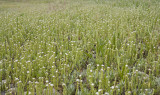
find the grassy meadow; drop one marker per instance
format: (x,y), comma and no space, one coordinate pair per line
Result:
(80,47)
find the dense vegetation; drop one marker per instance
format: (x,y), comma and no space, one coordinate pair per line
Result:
(80,47)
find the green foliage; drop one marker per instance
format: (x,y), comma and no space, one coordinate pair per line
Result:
(82,47)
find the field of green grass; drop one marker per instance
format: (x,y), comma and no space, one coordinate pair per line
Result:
(80,47)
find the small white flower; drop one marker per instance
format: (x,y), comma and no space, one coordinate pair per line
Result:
(66,54)
(99,90)
(129,92)
(16,79)
(36,82)
(51,85)
(106,93)
(92,84)
(29,93)
(102,70)
(77,80)
(4,81)
(112,87)
(63,84)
